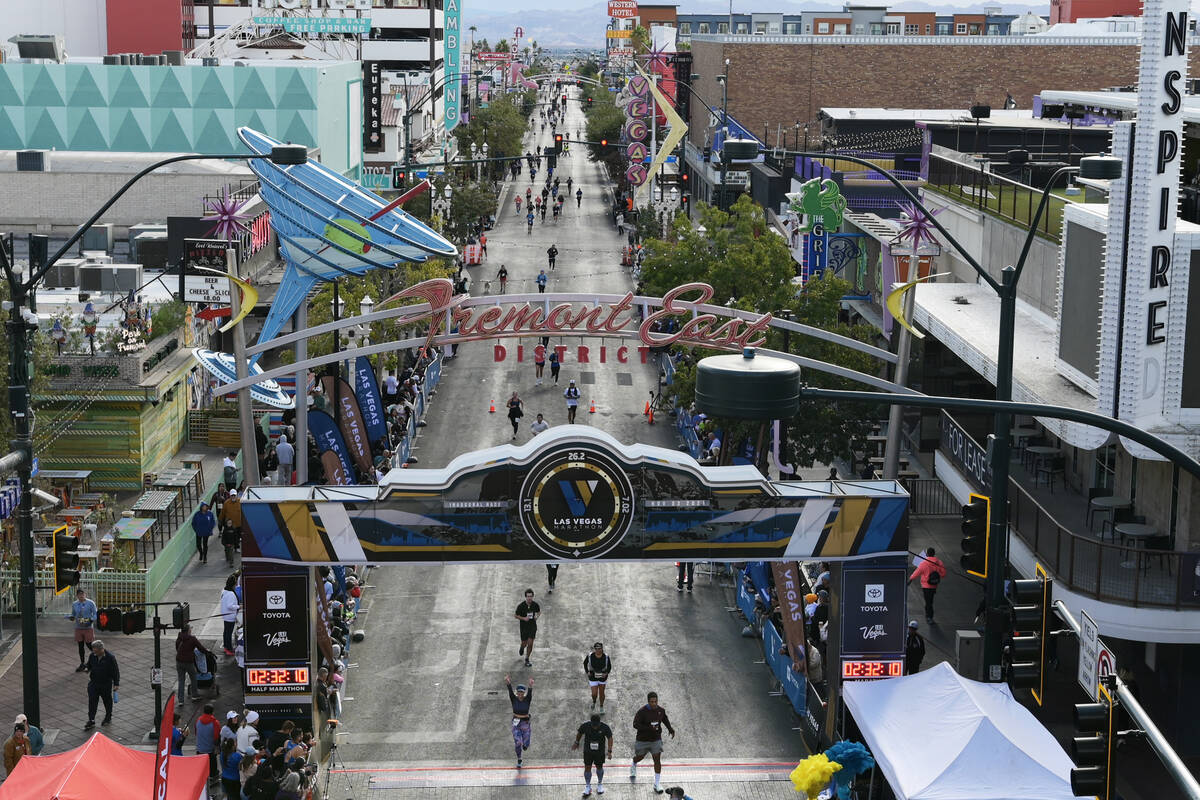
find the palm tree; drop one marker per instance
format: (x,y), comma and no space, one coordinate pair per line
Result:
(472,29)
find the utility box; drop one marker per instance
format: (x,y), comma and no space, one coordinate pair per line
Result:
(968,654)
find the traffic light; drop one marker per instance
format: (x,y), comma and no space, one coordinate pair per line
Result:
(109,619)
(181,615)
(399,177)
(683,179)
(604,142)
(685,203)
(1030,618)
(558,143)
(134,621)
(66,560)
(551,160)
(976,519)
(589,102)
(564,97)
(1093,755)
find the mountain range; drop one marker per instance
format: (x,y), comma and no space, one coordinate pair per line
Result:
(582,24)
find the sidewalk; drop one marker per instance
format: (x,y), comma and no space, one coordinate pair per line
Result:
(63,692)
(1140,773)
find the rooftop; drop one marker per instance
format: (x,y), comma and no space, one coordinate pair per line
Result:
(104,161)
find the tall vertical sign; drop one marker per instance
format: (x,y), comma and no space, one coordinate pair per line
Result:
(452,48)
(372,113)
(1154,312)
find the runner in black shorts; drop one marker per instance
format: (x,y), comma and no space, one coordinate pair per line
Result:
(527,613)
(597,665)
(595,735)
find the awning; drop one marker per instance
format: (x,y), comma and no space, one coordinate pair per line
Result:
(965,317)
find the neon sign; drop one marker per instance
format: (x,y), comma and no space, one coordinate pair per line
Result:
(635,100)
(542,319)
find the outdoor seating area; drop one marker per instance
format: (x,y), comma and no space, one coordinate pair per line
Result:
(1097,541)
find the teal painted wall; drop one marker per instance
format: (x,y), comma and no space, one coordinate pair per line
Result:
(339,124)
(175,109)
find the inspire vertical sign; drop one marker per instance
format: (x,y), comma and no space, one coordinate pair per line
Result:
(1154,187)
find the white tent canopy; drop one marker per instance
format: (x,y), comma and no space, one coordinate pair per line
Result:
(939,736)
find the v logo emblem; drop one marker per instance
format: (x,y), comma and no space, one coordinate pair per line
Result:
(578,495)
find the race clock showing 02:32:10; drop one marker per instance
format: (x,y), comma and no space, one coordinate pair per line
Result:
(861,670)
(287,679)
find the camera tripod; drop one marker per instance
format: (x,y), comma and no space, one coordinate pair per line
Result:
(335,762)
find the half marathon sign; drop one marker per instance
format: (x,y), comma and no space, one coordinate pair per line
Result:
(575,494)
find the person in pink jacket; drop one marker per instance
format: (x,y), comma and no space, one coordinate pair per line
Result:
(931,570)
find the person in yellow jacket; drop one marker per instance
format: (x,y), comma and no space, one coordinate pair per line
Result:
(16,746)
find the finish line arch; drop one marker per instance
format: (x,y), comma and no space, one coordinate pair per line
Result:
(574,493)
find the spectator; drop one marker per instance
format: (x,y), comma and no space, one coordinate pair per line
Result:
(820,616)
(208,732)
(16,747)
(204,522)
(230,470)
(36,740)
(286,454)
(914,650)
(930,572)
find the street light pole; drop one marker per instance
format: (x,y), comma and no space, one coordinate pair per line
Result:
(21,322)
(724,78)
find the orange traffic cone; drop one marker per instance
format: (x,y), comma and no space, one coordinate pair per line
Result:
(592,408)
(492,408)
(650,418)
(646,410)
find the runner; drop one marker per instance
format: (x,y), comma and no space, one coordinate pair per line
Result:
(551,254)
(529,222)
(503,276)
(541,281)
(517,203)
(515,412)
(594,734)
(539,358)
(570,181)
(521,730)
(578,197)
(572,395)
(555,366)
(649,722)
(597,665)
(539,425)
(528,613)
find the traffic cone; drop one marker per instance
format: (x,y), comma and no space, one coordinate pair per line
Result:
(492,408)
(650,418)
(646,410)
(592,408)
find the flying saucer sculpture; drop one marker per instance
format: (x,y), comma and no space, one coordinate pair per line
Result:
(328,227)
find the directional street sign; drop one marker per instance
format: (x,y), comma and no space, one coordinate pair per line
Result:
(1095,659)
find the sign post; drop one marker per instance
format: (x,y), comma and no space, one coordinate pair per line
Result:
(1095,659)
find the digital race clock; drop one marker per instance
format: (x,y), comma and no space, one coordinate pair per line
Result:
(861,670)
(277,679)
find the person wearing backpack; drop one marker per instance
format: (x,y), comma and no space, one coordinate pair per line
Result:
(931,570)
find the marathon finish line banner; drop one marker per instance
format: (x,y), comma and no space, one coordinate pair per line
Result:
(574,493)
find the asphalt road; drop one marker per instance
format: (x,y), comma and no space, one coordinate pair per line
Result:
(427,713)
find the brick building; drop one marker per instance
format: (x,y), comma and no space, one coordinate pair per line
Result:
(781,80)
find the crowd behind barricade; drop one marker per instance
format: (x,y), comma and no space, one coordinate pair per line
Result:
(802,665)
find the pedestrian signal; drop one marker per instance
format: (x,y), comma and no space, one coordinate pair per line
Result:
(134,621)
(181,615)
(109,619)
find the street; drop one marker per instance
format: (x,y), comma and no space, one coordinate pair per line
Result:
(427,713)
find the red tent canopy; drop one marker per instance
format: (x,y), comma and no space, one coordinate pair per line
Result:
(102,768)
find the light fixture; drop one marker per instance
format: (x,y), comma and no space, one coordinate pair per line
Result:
(674,194)
(288,154)
(447,192)
(1100,167)
(365,305)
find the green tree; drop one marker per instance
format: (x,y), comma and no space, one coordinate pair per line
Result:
(750,268)
(604,123)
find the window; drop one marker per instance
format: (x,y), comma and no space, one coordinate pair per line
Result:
(760,27)
(858,30)
(790,28)
(742,28)
(975,29)
(703,27)
(993,29)
(960,28)
(891,28)
(822,27)
(685,28)
(877,29)
(928,29)
(808,28)
(943,29)
(841,29)
(912,30)
(722,27)
(773,27)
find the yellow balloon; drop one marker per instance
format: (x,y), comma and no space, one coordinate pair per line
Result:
(812,775)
